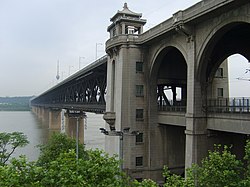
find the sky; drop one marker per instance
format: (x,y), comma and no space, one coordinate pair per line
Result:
(36,34)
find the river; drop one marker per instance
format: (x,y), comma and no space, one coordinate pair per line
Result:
(38,133)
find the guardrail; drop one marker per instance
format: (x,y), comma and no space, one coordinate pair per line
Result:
(177,106)
(213,105)
(234,105)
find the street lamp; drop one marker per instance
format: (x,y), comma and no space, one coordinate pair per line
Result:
(80,61)
(124,132)
(70,68)
(96,49)
(77,114)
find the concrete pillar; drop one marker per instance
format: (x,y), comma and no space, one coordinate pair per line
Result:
(71,127)
(34,109)
(45,115)
(55,119)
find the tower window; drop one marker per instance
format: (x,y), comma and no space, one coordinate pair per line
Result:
(139,161)
(139,138)
(219,73)
(139,66)
(139,91)
(139,114)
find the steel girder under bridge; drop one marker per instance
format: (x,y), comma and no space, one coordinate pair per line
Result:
(84,90)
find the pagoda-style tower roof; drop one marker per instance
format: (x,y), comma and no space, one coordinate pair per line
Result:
(126,12)
(125,19)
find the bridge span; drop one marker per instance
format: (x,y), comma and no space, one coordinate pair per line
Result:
(168,84)
(84,90)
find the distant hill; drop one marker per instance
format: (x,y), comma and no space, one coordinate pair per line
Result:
(15,103)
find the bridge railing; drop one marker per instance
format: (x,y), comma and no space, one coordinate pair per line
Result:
(224,105)
(213,105)
(172,106)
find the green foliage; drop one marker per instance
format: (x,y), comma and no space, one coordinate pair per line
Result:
(101,170)
(58,166)
(63,171)
(93,168)
(20,173)
(144,183)
(173,180)
(58,143)
(98,170)
(9,142)
(246,181)
(220,168)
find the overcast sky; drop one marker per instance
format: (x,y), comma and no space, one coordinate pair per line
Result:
(35,34)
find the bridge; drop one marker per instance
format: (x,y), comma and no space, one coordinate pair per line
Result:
(168,84)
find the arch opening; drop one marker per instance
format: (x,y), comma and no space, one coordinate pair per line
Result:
(169,94)
(171,80)
(231,43)
(224,62)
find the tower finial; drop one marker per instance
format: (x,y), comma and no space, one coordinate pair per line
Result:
(125,6)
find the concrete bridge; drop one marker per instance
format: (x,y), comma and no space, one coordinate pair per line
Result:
(168,84)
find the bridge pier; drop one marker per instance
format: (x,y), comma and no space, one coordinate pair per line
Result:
(42,113)
(55,120)
(61,121)
(74,126)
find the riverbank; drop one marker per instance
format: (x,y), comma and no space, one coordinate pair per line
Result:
(15,103)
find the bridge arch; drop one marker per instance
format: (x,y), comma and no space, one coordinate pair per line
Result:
(169,72)
(168,84)
(225,39)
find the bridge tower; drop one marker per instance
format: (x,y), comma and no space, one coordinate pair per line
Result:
(125,90)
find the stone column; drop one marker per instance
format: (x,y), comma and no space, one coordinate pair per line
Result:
(196,127)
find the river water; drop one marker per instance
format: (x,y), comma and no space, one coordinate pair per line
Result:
(38,133)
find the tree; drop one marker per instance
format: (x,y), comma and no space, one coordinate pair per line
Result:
(98,170)
(20,173)
(246,181)
(173,180)
(144,183)
(220,168)
(58,143)
(95,168)
(9,142)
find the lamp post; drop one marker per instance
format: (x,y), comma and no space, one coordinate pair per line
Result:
(121,134)
(96,45)
(80,57)
(70,68)
(77,114)
(77,138)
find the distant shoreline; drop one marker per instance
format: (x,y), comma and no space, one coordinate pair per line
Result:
(15,103)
